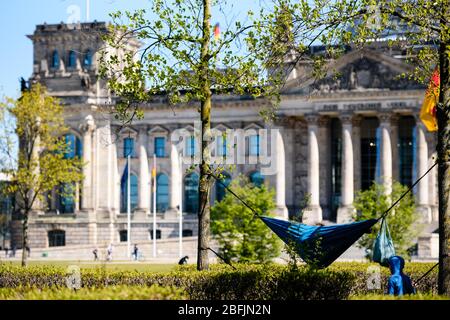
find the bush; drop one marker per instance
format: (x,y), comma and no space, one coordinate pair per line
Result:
(110,293)
(247,282)
(243,237)
(373,202)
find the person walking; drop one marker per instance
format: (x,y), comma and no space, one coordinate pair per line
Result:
(135,252)
(95,252)
(109,252)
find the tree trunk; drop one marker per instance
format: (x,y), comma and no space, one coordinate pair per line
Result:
(205,114)
(443,152)
(25,239)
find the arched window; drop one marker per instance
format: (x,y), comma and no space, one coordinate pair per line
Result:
(66,203)
(72,61)
(162,192)
(74,147)
(87,61)
(220,188)
(55,59)
(128,147)
(56,238)
(256,178)
(191,193)
(124,192)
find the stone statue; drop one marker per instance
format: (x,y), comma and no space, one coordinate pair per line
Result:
(352,81)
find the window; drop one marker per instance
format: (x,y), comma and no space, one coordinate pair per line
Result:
(187,233)
(124,192)
(72,60)
(66,203)
(369,146)
(220,188)
(56,238)
(254,145)
(256,178)
(128,147)
(123,235)
(221,146)
(160,145)
(191,146)
(74,147)
(158,234)
(191,193)
(406,149)
(55,59)
(162,192)
(87,61)
(336,165)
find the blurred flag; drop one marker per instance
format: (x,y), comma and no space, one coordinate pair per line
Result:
(216,32)
(428,111)
(153,172)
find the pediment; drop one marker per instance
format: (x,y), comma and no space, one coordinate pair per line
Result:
(158,130)
(358,70)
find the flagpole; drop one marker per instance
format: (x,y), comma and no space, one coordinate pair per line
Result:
(181,208)
(128,209)
(154,205)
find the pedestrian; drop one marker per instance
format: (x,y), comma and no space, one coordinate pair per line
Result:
(27,248)
(183,260)
(6,252)
(95,252)
(399,283)
(109,252)
(135,252)
(13,253)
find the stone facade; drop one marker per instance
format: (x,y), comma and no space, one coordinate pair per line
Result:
(322,151)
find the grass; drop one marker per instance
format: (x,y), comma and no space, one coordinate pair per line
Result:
(113,266)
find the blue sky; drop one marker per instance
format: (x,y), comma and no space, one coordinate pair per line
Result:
(18,18)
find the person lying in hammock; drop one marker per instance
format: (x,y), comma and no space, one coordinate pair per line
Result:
(399,283)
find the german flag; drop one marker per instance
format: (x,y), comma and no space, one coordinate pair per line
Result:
(428,111)
(216,32)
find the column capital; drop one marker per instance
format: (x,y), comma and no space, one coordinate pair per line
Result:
(88,125)
(385,118)
(312,119)
(347,118)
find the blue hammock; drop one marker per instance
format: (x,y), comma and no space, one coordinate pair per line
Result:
(319,245)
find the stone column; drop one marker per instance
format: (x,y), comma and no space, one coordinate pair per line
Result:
(422,191)
(87,199)
(313,214)
(386,151)
(280,183)
(144,177)
(346,210)
(87,194)
(175,179)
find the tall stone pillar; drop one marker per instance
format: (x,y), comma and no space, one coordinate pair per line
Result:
(144,177)
(422,192)
(280,180)
(175,179)
(386,152)
(346,210)
(87,199)
(313,214)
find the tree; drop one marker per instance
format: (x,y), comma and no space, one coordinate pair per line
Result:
(370,203)
(183,62)
(241,235)
(422,29)
(41,163)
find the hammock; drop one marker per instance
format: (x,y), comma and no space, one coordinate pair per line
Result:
(319,245)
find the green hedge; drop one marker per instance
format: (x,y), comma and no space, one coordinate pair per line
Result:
(248,282)
(109,293)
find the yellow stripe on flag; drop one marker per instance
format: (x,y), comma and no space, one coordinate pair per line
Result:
(428,111)
(153,172)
